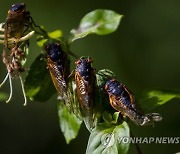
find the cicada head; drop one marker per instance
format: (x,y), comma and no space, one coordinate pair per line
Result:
(113,87)
(55,52)
(17,8)
(84,68)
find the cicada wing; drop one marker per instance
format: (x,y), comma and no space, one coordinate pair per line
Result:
(118,105)
(132,101)
(151,118)
(84,92)
(72,101)
(58,79)
(154,116)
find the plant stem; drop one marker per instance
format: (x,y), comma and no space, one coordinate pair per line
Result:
(73,54)
(136,144)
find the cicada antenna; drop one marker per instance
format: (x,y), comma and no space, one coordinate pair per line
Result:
(24,94)
(11,89)
(2,83)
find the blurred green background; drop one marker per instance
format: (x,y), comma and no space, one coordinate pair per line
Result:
(144,53)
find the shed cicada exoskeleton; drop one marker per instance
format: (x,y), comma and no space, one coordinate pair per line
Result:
(122,100)
(85,87)
(17,32)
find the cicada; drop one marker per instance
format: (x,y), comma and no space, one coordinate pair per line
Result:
(16,25)
(15,41)
(85,80)
(58,67)
(122,100)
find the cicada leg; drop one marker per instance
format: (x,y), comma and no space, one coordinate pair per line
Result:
(11,89)
(24,94)
(71,74)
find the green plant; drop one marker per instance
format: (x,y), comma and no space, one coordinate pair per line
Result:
(104,137)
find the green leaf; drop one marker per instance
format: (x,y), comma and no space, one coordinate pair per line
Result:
(55,34)
(107,117)
(47,36)
(69,123)
(106,139)
(41,41)
(99,22)
(102,76)
(43,30)
(115,117)
(42,36)
(38,83)
(25,48)
(3,96)
(110,118)
(154,98)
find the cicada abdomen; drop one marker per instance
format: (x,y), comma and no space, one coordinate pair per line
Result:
(15,40)
(122,100)
(85,80)
(58,67)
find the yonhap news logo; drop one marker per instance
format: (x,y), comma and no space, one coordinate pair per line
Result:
(149,140)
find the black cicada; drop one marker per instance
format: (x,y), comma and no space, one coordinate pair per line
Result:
(15,38)
(122,100)
(58,67)
(85,80)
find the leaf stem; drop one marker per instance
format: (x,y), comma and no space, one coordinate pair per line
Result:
(137,145)
(73,54)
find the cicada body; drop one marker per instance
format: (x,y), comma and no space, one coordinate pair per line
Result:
(58,67)
(15,42)
(15,27)
(122,100)
(15,24)
(85,79)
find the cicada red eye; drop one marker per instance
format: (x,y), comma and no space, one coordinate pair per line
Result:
(85,79)
(122,100)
